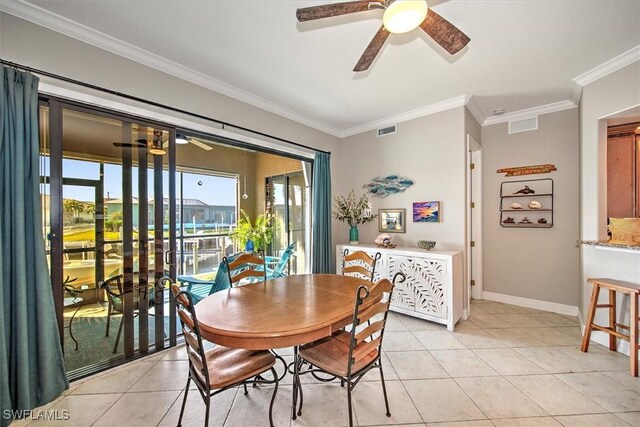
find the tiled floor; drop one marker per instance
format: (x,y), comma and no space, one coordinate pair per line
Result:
(505,366)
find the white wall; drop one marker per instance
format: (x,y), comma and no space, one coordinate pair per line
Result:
(431,151)
(535,263)
(614,93)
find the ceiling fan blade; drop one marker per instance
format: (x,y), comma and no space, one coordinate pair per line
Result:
(200,144)
(329,10)
(444,32)
(372,50)
(130,145)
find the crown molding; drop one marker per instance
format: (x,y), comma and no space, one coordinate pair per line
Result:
(448,104)
(611,66)
(37,15)
(530,112)
(475,110)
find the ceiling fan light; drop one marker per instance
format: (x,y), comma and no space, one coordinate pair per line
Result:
(404,15)
(157,151)
(181,139)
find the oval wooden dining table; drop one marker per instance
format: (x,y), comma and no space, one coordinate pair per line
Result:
(284,312)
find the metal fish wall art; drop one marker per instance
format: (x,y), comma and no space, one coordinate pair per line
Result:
(387,185)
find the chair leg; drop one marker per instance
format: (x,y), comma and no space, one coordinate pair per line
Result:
(612,319)
(300,388)
(245,389)
(184,400)
(206,414)
(115,347)
(273,397)
(633,334)
(349,402)
(592,312)
(106,334)
(384,389)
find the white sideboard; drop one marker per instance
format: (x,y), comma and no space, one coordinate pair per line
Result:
(433,289)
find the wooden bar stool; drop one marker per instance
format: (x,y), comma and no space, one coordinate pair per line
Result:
(631,289)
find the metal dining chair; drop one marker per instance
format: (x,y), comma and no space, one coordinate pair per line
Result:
(245,266)
(221,368)
(348,356)
(360,264)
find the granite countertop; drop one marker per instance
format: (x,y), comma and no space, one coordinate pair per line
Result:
(609,244)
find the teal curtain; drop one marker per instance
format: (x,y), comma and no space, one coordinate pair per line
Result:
(32,370)
(321,201)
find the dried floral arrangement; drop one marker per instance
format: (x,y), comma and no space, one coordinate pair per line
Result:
(353,211)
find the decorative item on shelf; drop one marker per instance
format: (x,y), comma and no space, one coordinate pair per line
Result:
(509,220)
(426,212)
(525,190)
(249,247)
(515,205)
(385,186)
(624,230)
(384,241)
(542,221)
(534,204)
(353,211)
(426,244)
(392,220)
(524,220)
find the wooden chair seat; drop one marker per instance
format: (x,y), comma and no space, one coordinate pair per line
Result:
(331,354)
(232,365)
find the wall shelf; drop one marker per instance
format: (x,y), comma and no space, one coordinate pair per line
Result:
(542,192)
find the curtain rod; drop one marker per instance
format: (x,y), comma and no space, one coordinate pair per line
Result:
(153,103)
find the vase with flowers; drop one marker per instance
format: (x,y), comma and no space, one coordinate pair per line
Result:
(353,211)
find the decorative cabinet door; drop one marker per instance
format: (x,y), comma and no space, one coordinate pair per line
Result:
(378,274)
(424,289)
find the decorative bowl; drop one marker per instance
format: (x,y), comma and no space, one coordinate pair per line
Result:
(426,244)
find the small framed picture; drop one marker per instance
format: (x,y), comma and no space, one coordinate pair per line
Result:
(392,220)
(426,212)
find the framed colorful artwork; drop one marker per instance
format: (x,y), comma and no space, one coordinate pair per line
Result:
(426,212)
(392,220)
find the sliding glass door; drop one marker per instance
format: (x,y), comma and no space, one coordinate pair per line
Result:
(109,204)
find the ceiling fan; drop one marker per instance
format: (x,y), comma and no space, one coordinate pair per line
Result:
(182,139)
(157,146)
(400,16)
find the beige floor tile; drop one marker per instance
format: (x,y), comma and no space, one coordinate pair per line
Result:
(572,331)
(118,381)
(491,307)
(389,372)
(554,396)
(498,398)
(598,420)
(625,378)
(394,323)
(552,336)
(520,321)
(415,365)
(440,400)
(525,310)
(401,341)
(417,324)
(507,361)
(139,409)
(82,410)
(465,325)
(477,338)
(605,391)
(526,422)
(552,319)
(553,361)
(438,340)
(164,375)
(368,402)
(253,409)
(287,351)
(477,423)
(597,358)
(324,405)
(195,408)
(633,418)
(177,353)
(515,337)
(463,363)
(488,321)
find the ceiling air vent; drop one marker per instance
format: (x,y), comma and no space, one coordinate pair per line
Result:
(523,125)
(387,131)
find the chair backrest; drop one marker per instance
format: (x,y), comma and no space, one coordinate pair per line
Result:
(366,343)
(284,259)
(359,264)
(114,288)
(244,266)
(192,337)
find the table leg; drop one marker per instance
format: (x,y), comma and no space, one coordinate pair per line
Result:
(612,319)
(296,378)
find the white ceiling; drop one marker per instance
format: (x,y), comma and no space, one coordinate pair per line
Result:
(522,54)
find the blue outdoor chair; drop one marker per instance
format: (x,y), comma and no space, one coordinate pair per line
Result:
(200,289)
(280,270)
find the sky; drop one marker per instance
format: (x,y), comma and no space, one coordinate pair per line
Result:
(212,190)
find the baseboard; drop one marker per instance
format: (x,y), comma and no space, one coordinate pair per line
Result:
(553,307)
